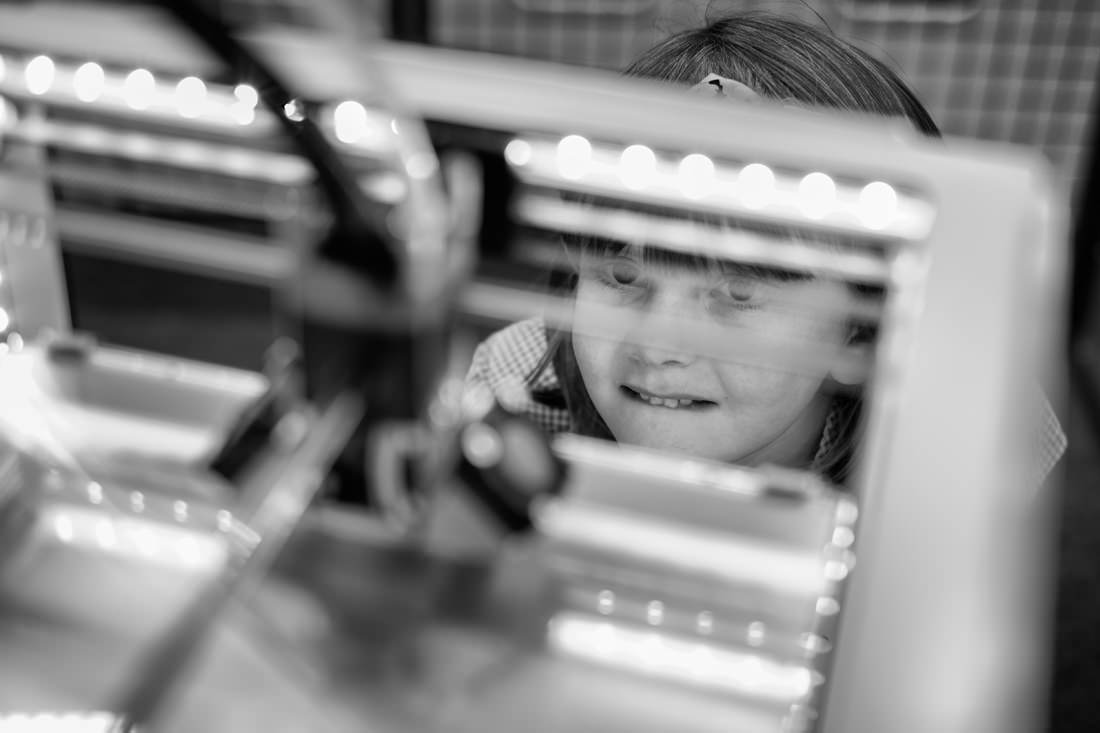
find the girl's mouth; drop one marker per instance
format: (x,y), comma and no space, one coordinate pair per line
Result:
(670,402)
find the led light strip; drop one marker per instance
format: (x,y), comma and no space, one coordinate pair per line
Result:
(135,537)
(693,662)
(693,237)
(281,168)
(58,722)
(731,626)
(138,90)
(189,100)
(171,370)
(697,182)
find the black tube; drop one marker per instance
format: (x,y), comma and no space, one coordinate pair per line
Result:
(352,241)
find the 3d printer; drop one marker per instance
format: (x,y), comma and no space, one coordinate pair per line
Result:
(150,502)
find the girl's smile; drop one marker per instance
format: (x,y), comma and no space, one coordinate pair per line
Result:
(675,401)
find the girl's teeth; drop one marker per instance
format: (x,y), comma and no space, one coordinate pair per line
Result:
(665,402)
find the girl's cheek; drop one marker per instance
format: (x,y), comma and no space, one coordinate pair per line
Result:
(752,384)
(596,357)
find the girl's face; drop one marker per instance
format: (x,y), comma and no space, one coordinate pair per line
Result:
(658,381)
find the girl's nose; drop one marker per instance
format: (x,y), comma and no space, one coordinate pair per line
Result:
(662,336)
(658,356)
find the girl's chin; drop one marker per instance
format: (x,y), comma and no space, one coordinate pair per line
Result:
(677,440)
(687,451)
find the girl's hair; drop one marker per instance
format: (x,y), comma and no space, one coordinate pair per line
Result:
(778,58)
(786,59)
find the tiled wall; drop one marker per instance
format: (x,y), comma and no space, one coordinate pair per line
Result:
(1021,71)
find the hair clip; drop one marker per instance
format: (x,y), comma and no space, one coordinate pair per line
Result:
(720,86)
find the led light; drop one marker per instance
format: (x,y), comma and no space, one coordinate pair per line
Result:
(878,204)
(179,510)
(843,536)
(691,661)
(95,492)
(827,606)
(605,602)
(756,185)
(695,176)
(655,612)
(39,74)
(83,722)
(243,110)
(137,501)
(755,634)
(836,570)
(814,643)
(15,721)
(88,82)
(63,527)
(518,152)
(817,195)
(138,89)
(574,157)
(247,95)
(637,167)
(294,110)
(349,121)
(190,96)
(15,342)
(5,320)
(704,623)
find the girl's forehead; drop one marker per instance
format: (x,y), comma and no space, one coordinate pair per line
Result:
(659,262)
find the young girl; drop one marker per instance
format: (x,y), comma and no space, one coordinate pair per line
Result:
(649,385)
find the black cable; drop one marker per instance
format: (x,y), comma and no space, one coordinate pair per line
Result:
(353,240)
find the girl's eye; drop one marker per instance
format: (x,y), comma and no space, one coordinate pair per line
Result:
(739,292)
(621,273)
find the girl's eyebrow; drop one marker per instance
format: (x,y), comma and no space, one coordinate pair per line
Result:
(723,267)
(762,272)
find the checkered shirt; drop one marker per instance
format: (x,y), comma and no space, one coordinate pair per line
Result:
(503,362)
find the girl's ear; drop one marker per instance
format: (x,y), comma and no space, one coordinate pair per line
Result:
(853,359)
